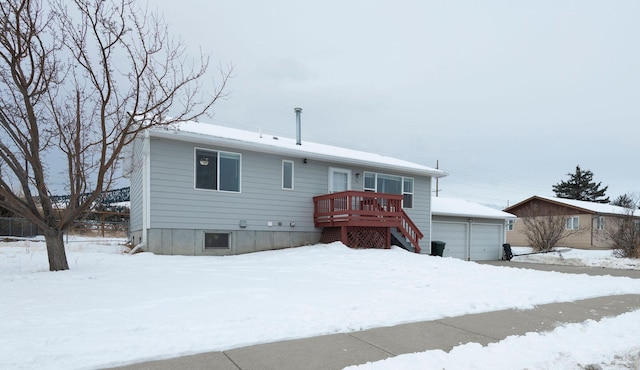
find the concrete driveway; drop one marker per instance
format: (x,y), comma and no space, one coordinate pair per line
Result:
(595,271)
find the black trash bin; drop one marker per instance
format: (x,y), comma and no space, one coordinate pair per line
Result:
(437,248)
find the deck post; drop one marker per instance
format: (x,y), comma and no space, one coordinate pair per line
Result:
(388,243)
(343,235)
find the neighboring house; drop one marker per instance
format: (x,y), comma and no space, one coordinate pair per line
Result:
(201,189)
(471,231)
(589,218)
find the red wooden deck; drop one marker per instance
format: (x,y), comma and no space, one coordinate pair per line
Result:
(364,217)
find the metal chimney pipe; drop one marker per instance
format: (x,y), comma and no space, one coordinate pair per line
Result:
(298,126)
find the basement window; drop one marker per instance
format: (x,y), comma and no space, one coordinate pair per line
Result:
(216,241)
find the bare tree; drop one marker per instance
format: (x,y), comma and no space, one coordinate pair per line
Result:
(623,231)
(544,232)
(79,79)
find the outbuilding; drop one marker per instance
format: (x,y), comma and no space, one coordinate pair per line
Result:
(471,231)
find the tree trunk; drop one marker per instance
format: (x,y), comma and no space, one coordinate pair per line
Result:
(55,250)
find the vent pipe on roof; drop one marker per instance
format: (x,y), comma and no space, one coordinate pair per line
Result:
(298,126)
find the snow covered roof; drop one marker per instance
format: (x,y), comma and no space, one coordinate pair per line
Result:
(205,133)
(462,208)
(590,207)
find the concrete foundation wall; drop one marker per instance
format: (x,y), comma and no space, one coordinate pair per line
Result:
(190,242)
(135,236)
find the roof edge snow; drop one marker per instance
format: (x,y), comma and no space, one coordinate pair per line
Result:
(203,133)
(462,208)
(586,207)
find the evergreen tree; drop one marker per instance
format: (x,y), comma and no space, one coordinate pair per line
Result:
(581,186)
(626,201)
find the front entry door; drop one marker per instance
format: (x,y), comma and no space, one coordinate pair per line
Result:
(339,180)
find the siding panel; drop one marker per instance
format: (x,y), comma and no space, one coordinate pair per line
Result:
(136,185)
(176,204)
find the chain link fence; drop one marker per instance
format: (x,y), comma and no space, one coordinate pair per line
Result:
(111,229)
(20,227)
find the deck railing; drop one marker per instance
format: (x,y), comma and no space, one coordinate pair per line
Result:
(362,208)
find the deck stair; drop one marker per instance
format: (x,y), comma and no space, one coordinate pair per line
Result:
(400,240)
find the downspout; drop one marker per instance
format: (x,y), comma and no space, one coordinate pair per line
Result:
(468,248)
(137,248)
(146,175)
(430,215)
(592,228)
(504,237)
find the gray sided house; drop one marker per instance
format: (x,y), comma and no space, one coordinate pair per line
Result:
(201,189)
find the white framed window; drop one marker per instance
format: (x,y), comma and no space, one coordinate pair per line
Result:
(573,223)
(369,181)
(407,192)
(287,174)
(217,170)
(390,184)
(510,224)
(599,223)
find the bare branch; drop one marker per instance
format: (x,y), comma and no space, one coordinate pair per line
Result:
(623,230)
(544,228)
(79,80)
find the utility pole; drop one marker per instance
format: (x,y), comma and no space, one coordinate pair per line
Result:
(437,167)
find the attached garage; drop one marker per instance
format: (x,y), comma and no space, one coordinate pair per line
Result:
(471,231)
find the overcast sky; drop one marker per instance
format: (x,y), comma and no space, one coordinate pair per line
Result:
(508,96)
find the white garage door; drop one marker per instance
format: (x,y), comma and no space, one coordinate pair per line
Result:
(484,242)
(455,235)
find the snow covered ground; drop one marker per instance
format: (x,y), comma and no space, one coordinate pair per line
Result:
(611,343)
(112,308)
(577,257)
